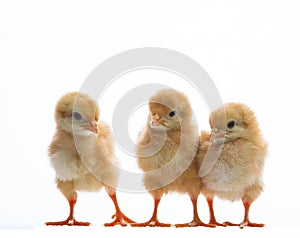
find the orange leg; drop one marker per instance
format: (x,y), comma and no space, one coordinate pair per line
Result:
(196,220)
(120,218)
(246,221)
(70,221)
(153,220)
(212,220)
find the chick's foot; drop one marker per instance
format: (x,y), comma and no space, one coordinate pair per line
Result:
(244,224)
(151,223)
(250,224)
(120,219)
(215,223)
(195,224)
(68,222)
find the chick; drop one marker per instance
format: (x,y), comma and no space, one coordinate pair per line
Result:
(166,150)
(82,154)
(232,159)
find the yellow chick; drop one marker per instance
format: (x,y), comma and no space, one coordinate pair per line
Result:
(166,150)
(82,154)
(232,159)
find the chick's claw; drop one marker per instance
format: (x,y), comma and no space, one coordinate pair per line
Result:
(159,224)
(215,224)
(125,218)
(250,224)
(244,224)
(120,219)
(151,223)
(117,221)
(68,222)
(195,224)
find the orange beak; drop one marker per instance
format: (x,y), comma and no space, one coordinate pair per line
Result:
(92,126)
(155,120)
(217,135)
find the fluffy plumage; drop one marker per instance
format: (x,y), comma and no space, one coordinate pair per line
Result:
(166,149)
(82,154)
(232,158)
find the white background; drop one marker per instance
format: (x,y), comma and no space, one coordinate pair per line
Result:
(47,48)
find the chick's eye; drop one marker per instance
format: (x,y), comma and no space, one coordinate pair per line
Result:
(171,114)
(77,116)
(231,124)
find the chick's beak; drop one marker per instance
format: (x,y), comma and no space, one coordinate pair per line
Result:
(92,126)
(217,134)
(217,137)
(155,120)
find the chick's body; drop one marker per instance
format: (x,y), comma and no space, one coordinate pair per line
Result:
(163,173)
(73,160)
(82,153)
(239,150)
(237,170)
(166,149)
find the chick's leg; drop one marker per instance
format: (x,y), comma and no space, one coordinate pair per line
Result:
(70,221)
(212,220)
(119,217)
(246,221)
(153,220)
(196,220)
(69,192)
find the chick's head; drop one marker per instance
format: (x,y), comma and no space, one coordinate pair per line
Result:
(77,114)
(233,121)
(169,110)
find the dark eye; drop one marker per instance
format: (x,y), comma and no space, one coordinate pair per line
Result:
(231,124)
(171,114)
(77,116)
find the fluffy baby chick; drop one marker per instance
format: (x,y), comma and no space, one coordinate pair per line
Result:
(166,149)
(82,154)
(232,159)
